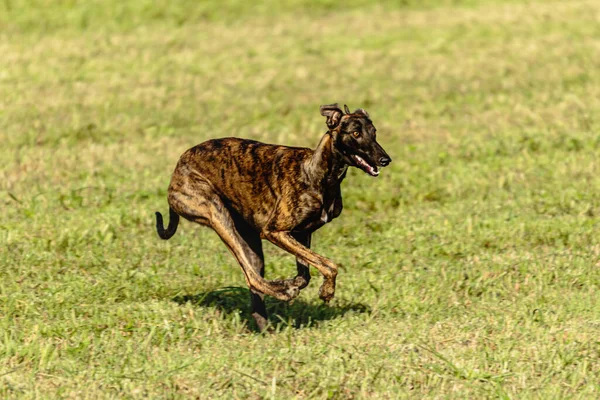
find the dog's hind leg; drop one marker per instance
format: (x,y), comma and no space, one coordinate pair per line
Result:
(252,238)
(207,208)
(197,201)
(223,224)
(303,277)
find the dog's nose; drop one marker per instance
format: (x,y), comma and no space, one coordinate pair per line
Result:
(385,161)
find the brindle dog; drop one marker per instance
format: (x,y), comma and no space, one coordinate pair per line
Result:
(247,191)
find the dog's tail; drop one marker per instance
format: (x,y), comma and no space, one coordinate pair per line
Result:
(173,222)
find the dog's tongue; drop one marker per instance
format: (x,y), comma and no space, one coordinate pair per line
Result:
(373,171)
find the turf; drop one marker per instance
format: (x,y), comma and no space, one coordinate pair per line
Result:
(470,266)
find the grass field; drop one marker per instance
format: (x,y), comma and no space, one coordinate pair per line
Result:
(471,266)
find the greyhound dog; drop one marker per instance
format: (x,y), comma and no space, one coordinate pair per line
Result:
(247,191)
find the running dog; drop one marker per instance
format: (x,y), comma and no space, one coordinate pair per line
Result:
(247,191)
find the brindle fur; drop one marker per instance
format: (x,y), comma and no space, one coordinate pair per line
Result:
(247,191)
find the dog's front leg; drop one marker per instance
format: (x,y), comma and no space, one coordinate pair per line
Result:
(325,266)
(303,277)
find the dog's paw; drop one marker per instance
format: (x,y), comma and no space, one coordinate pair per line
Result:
(292,291)
(287,290)
(301,282)
(326,292)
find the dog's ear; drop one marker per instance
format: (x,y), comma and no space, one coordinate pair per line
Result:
(346,109)
(362,111)
(333,114)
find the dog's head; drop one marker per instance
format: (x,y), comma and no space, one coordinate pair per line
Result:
(354,137)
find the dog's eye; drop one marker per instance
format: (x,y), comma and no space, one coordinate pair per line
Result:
(356,134)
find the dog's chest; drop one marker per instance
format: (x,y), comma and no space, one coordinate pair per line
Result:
(317,209)
(317,217)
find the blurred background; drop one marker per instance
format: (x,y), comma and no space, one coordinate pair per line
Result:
(469,265)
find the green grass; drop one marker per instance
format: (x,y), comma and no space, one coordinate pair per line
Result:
(471,266)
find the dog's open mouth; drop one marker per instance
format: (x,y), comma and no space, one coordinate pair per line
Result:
(362,164)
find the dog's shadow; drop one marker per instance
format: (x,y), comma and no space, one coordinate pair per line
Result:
(298,314)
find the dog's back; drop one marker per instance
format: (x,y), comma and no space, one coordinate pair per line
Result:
(248,175)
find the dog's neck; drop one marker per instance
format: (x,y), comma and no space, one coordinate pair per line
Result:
(326,164)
